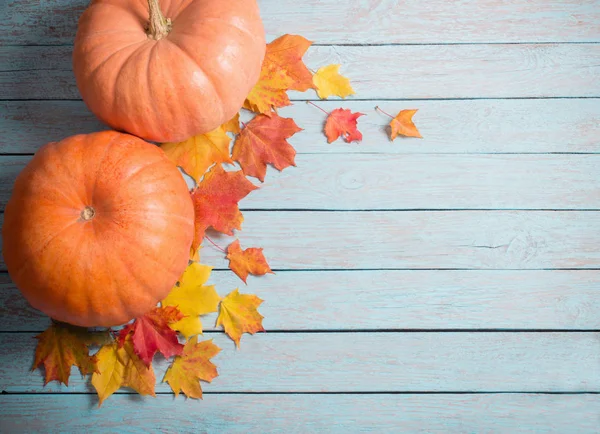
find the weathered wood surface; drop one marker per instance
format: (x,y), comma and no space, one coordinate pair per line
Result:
(355,182)
(514,413)
(408,71)
(418,240)
(392,299)
(362,272)
(464,126)
(355,21)
(366,362)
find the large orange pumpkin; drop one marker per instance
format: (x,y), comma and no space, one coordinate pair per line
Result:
(98,228)
(168,71)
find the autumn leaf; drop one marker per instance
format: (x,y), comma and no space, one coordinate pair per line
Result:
(264,140)
(342,122)
(329,82)
(403,125)
(248,261)
(216,201)
(269,91)
(192,298)
(195,253)
(232,125)
(119,366)
(151,334)
(286,53)
(198,153)
(238,314)
(192,366)
(59,347)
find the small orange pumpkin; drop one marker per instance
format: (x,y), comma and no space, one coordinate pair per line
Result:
(98,228)
(167,79)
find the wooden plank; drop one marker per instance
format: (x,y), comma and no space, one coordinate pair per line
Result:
(462,126)
(399,299)
(409,71)
(357,21)
(361,182)
(418,240)
(363,362)
(514,413)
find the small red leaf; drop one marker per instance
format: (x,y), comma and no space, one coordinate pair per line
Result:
(342,122)
(151,334)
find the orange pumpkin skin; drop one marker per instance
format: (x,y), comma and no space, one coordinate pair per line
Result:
(189,82)
(98,229)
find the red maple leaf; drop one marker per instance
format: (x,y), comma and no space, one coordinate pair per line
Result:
(342,122)
(151,334)
(216,201)
(264,140)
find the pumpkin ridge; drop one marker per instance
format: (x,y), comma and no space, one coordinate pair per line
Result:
(231,24)
(130,176)
(148,81)
(100,164)
(201,68)
(180,12)
(145,255)
(101,64)
(45,246)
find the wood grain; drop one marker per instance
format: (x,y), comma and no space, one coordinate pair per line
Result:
(418,240)
(408,72)
(463,126)
(361,182)
(357,21)
(399,299)
(366,362)
(523,413)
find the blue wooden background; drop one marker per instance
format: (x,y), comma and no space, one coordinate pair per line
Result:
(449,284)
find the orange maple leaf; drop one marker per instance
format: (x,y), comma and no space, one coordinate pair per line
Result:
(264,140)
(61,346)
(232,125)
(286,52)
(191,366)
(151,334)
(248,261)
(216,202)
(269,91)
(402,124)
(342,122)
(238,314)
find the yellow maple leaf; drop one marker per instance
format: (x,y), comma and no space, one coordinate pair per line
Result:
(191,366)
(193,299)
(121,367)
(270,91)
(238,314)
(232,125)
(198,153)
(329,82)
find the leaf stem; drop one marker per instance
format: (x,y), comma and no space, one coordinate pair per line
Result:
(215,244)
(312,103)
(385,113)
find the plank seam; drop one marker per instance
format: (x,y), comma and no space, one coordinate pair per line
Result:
(370,392)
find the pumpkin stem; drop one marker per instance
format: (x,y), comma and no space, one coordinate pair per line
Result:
(88,213)
(158,26)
